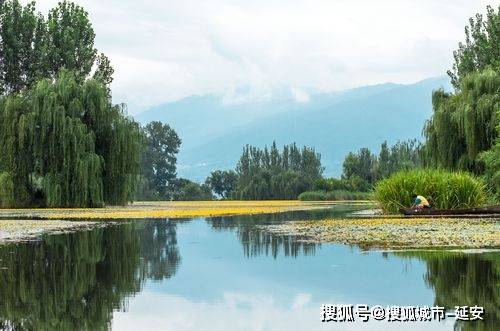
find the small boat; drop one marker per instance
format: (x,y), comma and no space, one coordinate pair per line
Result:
(491,210)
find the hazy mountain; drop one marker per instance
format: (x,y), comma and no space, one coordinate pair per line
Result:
(214,130)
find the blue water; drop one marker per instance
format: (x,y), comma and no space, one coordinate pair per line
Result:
(227,274)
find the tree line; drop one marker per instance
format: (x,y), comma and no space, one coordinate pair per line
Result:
(268,173)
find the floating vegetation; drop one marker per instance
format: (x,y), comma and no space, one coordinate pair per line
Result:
(396,233)
(167,209)
(18,230)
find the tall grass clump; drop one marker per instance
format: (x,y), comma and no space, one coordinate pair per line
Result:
(443,189)
(333,195)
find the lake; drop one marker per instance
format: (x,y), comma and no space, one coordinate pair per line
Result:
(226,273)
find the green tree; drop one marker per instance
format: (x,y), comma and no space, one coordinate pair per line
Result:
(271,174)
(361,164)
(70,40)
(32,48)
(464,124)
(159,159)
(481,48)
(22,46)
(186,190)
(64,144)
(384,161)
(222,183)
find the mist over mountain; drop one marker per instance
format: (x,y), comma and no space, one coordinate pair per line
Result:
(214,129)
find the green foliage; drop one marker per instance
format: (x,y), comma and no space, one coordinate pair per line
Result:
(481,49)
(361,164)
(158,162)
(6,190)
(33,48)
(186,190)
(270,174)
(447,190)
(471,279)
(22,50)
(491,159)
(464,130)
(333,195)
(70,40)
(464,124)
(222,183)
(64,143)
(363,169)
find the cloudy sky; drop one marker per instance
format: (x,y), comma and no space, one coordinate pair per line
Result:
(166,50)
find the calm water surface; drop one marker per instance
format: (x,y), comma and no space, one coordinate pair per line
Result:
(226,274)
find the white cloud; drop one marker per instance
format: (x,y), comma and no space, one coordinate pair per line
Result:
(300,95)
(165,50)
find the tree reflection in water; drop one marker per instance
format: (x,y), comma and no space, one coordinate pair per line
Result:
(76,280)
(460,279)
(256,241)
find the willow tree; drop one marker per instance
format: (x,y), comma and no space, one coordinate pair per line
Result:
(463,132)
(464,124)
(64,144)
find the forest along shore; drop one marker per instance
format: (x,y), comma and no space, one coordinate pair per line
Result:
(396,233)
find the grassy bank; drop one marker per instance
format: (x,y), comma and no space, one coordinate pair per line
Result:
(336,195)
(445,190)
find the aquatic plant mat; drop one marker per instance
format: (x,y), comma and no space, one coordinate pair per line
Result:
(23,230)
(168,209)
(396,233)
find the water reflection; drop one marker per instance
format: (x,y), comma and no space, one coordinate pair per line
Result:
(76,281)
(80,280)
(257,242)
(460,279)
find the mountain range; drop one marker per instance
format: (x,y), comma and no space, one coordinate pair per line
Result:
(214,129)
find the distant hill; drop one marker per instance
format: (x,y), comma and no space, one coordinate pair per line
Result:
(214,131)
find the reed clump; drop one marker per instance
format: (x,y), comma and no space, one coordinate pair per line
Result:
(443,189)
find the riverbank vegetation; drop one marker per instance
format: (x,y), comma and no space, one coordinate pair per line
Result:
(464,131)
(463,134)
(443,189)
